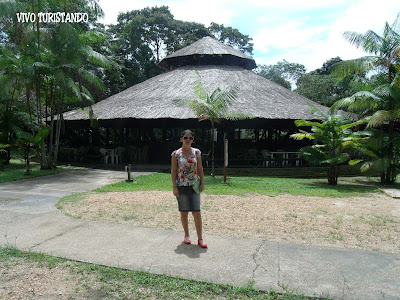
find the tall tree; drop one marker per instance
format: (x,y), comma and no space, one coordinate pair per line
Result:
(232,37)
(381,104)
(327,66)
(185,34)
(319,88)
(143,37)
(16,77)
(157,23)
(323,87)
(58,60)
(283,73)
(113,77)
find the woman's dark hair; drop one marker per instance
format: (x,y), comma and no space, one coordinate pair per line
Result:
(187,131)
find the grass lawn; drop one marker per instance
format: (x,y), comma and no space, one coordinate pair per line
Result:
(241,186)
(82,280)
(353,214)
(76,280)
(16,171)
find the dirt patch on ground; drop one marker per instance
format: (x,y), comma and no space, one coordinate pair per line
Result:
(22,279)
(371,223)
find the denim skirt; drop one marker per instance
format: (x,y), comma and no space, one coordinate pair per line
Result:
(188,199)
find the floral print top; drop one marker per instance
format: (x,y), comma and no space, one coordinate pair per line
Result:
(187,167)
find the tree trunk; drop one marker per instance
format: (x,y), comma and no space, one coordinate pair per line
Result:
(27,162)
(58,131)
(43,155)
(333,174)
(390,176)
(51,139)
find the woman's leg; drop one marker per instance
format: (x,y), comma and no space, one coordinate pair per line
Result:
(199,228)
(185,222)
(198,223)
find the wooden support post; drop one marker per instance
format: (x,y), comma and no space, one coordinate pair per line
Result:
(225,159)
(257,134)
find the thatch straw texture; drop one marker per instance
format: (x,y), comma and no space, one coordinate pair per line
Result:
(207,51)
(152,99)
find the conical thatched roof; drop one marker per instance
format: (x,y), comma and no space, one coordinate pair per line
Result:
(152,99)
(207,51)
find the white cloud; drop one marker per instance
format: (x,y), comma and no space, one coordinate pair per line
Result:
(204,12)
(309,55)
(112,8)
(360,17)
(288,35)
(363,15)
(312,46)
(296,4)
(284,25)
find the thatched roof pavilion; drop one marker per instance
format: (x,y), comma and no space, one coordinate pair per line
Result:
(219,66)
(149,104)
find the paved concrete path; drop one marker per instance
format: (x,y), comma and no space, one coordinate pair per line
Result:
(29,221)
(394,193)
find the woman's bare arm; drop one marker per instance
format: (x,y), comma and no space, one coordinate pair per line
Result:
(200,173)
(174,164)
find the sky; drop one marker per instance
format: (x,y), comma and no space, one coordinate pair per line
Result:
(308,32)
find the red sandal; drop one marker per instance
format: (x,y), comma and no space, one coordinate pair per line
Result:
(202,245)
(187,242)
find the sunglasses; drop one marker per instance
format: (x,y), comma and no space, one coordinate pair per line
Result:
(188,137)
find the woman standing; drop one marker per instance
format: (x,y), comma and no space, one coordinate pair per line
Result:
(187,173)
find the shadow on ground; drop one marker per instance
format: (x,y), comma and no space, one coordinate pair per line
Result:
(191,251)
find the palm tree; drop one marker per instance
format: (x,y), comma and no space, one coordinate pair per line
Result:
(333,135)
(15,77)
(214,107)
(54,66)
(71,71)
(381,103)
(375,147)
(381,109)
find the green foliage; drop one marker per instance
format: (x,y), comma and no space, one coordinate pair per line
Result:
(214,107)
(247,185)
(283,73)
(16,72)
(27,142)
(327,66)
(376,145)
(380,104)
(333,135)
(323,87)
(36,139)
(142,37)
(232,37)
(16,170)
(46,68)
(318,88)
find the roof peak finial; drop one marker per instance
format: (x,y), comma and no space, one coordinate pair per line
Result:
(207,51)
